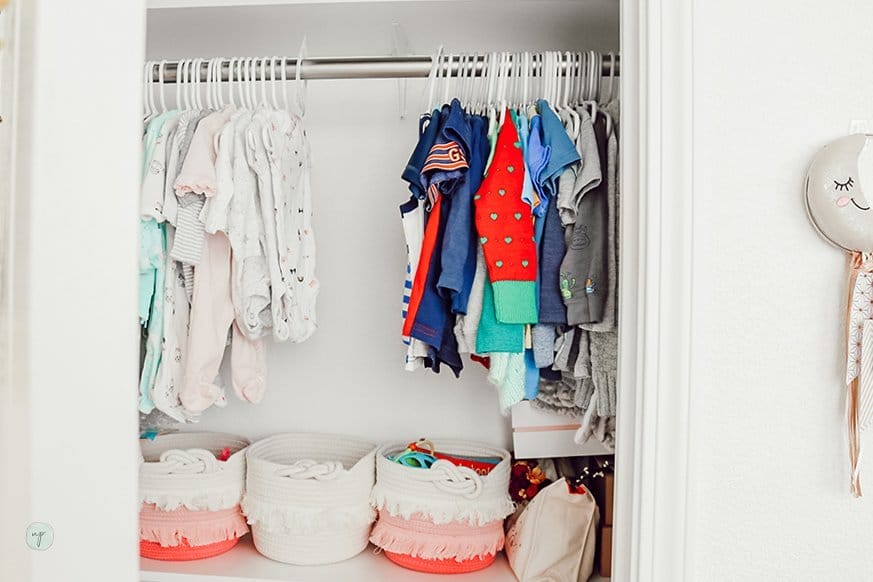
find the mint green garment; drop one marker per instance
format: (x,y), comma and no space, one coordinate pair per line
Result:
(150,261)
(507,373)
(492,335)
(152,253)
(155,329)
(149,238)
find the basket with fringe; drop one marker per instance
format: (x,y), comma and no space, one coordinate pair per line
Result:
(445,519)
(445,492)
(189,498)
(307,497)
(184,552)
(448,566)
(420,538)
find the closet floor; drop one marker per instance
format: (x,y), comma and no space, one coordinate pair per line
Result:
(245,564)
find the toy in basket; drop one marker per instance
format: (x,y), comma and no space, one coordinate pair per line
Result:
(190,487)
(441,508)
(307,497)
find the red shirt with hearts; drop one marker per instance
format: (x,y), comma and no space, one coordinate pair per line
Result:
(506,231)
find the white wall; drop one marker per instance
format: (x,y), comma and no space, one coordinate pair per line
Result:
(774,81)
(348,378)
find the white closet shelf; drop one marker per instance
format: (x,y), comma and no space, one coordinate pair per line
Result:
(244,564)
(226,3)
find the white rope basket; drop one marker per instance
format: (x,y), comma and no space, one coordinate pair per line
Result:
(445,492)
(181,470)
(307,497)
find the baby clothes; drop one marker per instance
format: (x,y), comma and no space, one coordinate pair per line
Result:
(288,155)
(608,322)
(151,274)
(155,324)
(211,318)
(578,179)
(503,221)
(196,179)
(171,167)
(412,217)
(584,269)
(170,375)
(467,326)
(562,151)
(506,372)
(493,335)
(244,225)
(447,168)
(270,198)
(152,196)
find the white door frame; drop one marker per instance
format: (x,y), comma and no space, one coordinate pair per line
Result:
(68,427)
(652,540)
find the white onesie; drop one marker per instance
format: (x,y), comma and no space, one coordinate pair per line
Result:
(258,158)
(235,210)
(288,152)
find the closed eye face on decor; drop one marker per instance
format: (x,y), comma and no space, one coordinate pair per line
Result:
(837,183)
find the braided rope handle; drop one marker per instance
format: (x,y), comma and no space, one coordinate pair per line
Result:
(188,462)
(450,478)
(309,469)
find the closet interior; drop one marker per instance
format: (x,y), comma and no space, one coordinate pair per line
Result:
(363,88)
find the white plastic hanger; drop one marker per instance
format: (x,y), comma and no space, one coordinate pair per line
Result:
(609,99)
(435,104)
(430,86)
(447,78)
(210,102)
(179,86)
(480,85)
(245,94)
(301,84)
(161,86)
(493,75)
(566,104)
(287,108)
(504,81)
(216,76)
(247,84)
(198,98)
(589,86)
(264,102)
(461,78)
(515,81)
(275,100)
(253,85)
(181,78)
(230,64)
(145,84)
(148,100)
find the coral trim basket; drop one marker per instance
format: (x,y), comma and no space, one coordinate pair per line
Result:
(189,496)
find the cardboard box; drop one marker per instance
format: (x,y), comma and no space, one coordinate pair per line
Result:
(609,495)
(604,560)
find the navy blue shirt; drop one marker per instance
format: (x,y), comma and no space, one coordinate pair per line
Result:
(428,126)
(453,182)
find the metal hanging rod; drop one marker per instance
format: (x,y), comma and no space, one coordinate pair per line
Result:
(360,67)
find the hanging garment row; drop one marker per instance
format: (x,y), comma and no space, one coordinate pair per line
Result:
(512,234)
(227,251)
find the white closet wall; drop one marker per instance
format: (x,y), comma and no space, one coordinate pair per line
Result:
(349,377)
